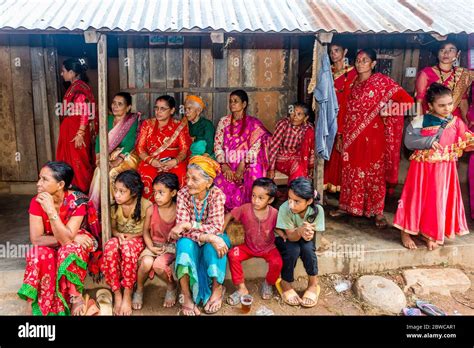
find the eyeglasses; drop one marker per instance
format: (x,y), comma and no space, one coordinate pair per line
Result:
(161,109)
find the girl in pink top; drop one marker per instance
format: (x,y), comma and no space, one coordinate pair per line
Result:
(160,251)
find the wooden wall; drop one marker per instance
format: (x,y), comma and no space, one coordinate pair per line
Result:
(265,66)
(28,94)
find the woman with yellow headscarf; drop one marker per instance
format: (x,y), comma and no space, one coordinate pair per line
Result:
(201,244)
(201,129)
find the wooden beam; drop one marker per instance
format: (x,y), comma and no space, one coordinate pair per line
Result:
(91,36)
(103,138)
(318,178)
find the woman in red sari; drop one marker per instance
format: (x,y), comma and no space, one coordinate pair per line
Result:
(371,140)
(344,76)
(292,145)
(77,131)
(163,145)
(64,229)
(455,78)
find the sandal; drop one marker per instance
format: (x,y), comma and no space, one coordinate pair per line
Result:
(288,295)
(411,312)
(266,291)
(104,301)
(430,309)
(312,296)
(381,223)
(137,300)
(219,300)
(234,298)
(170,297)
(92,308)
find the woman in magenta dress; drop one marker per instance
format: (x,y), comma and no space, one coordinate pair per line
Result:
(241,149)
(431,204)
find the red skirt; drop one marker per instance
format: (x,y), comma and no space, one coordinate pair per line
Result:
(79,159)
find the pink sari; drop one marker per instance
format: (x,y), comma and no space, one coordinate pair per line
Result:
(248,140)
(470,117)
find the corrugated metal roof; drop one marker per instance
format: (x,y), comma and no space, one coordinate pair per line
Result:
(296,16)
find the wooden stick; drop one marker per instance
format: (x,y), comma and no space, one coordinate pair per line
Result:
(103,138)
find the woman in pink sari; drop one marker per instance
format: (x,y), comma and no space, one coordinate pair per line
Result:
(455,78)
(64,230)
(431,204)
(240,147)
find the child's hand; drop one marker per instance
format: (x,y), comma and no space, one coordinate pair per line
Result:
(122,238)
(437,146)
(158,250)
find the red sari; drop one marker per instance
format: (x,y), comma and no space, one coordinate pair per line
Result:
(333,168)
(54,274)
(371,144)
(431,202)
(78,109)
(292,149)
(172,140)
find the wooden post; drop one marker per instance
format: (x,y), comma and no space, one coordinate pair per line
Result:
(103,138)
(319,49)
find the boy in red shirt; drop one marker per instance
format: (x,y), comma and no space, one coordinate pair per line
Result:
(259,220)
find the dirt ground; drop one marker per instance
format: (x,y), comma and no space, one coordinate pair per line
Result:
(330,301)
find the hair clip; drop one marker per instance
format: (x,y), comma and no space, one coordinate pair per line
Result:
(82,61)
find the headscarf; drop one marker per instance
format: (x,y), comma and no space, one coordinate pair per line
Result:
(196,99)
(207,164)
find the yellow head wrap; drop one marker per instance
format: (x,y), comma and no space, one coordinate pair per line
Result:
(196,99)
(210,167)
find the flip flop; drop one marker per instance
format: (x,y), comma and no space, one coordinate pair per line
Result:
(234,298)
(221,299)
(78,301)
(430,309)
(92,308)
(411,312)
(104,301)
(312,296)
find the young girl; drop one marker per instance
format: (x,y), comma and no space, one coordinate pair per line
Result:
(122,250)
(159,253)
(298,220)
(431,203)
(259,220)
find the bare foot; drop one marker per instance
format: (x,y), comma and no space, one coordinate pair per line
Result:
(381,221)
(170,296)
(117,302)
(431,245)
(407,241)
(77,305)
(307,301)
(137,299)
(189,308)
(126,308)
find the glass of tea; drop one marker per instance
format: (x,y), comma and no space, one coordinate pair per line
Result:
(246,302)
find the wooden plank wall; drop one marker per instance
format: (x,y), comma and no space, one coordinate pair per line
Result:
(28,94)
(266,67)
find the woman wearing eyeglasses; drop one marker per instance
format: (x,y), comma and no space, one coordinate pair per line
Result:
(371,140)
(163,145)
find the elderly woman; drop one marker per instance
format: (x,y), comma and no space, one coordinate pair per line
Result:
(122,126)
(163,145)
(201,247)
(60,221)
(200,128)
(241,148)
